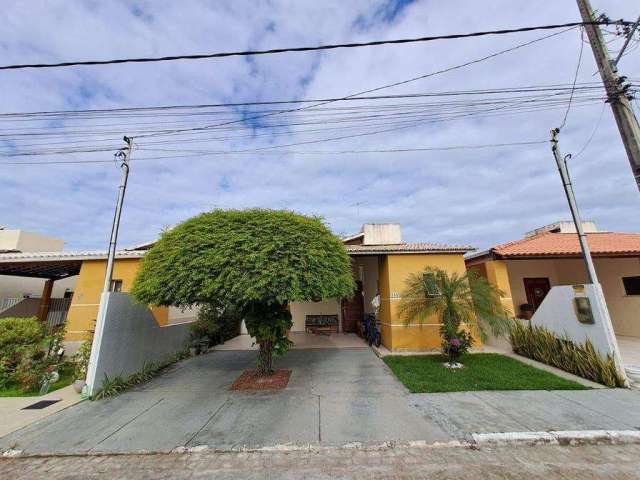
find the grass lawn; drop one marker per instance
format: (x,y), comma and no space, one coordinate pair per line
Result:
(483,371)
(66,378)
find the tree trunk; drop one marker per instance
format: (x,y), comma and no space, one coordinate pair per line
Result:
(265,359)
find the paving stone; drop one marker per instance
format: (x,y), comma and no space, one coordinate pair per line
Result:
(544,462)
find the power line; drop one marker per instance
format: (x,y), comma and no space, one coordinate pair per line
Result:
(399,120)
(309,49)
(140,111)
(364,92)
(337,152)
(575,79)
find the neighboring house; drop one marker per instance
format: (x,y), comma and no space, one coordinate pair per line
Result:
(526,269)
(19,295)
(381,264)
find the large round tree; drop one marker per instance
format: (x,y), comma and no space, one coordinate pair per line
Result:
(257,260)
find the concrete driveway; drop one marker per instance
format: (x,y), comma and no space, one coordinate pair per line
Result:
(335,396)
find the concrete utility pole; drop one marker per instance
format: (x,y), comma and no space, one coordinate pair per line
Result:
(573,206)
(124,155)
(616,96)
(601,304)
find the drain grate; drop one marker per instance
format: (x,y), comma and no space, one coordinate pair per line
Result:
(40,405)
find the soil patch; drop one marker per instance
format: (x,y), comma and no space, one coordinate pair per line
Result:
(250,380)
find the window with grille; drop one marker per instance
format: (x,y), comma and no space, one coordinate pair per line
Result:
(116,285)
(431,286)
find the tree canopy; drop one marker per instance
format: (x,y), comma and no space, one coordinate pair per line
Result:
(245,256)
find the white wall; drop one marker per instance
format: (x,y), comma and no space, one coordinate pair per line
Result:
(29,242)
(557,314)
(300,309)
(182,315)
(128,337)
(17,287)
(370,285)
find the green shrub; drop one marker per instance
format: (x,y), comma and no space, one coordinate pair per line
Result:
(22,356)
(216,323)
(582,359)
(16,334)
(113,386)
(81,358)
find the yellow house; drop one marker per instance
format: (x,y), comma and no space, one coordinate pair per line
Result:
(381,264)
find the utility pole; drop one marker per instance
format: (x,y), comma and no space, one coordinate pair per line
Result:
(573,206)
(124,155)
(601,304)
(616,94)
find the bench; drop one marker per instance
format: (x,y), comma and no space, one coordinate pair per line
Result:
(322,324)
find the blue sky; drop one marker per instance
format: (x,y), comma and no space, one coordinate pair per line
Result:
(481,197)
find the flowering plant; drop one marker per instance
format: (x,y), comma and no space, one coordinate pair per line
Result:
(457,346)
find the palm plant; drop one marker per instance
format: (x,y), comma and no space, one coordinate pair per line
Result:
(454,300)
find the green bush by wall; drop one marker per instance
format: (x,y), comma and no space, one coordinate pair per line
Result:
(581,359)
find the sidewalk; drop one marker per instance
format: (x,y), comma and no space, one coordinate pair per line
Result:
(462,414)
(13,417)
(532,463)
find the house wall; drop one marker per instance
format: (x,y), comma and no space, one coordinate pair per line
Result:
(624,309)
(299,310)
(86,298)
(368,265)
(29,242)
(18,287)
(557,314)
(395,270)
(365,269)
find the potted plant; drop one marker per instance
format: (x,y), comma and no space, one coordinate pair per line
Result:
(455,347)
(526,311)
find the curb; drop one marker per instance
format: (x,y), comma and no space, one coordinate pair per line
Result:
(560,437)
(476,440)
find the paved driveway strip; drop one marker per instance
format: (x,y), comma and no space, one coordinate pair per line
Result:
(335,396)
(464,413)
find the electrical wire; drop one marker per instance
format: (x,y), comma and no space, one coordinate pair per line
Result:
(575,79)
(593,133)
(364,92)
(309,49)
(339,152)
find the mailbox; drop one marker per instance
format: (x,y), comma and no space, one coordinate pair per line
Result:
(583,310)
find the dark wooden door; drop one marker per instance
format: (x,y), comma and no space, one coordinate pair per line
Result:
(353,310)
(536,289)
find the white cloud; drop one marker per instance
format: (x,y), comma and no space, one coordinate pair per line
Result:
(480,197)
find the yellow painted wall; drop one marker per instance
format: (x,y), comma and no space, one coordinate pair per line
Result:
(396,333)
(86,298)
(497,274)
(384,314)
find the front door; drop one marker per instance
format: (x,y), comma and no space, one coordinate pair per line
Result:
(536,289)
(353,310)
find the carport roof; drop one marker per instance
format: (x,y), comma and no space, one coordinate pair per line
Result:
(59,265)
(52,264)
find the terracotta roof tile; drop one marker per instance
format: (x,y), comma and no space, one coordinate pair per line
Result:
(567,244)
